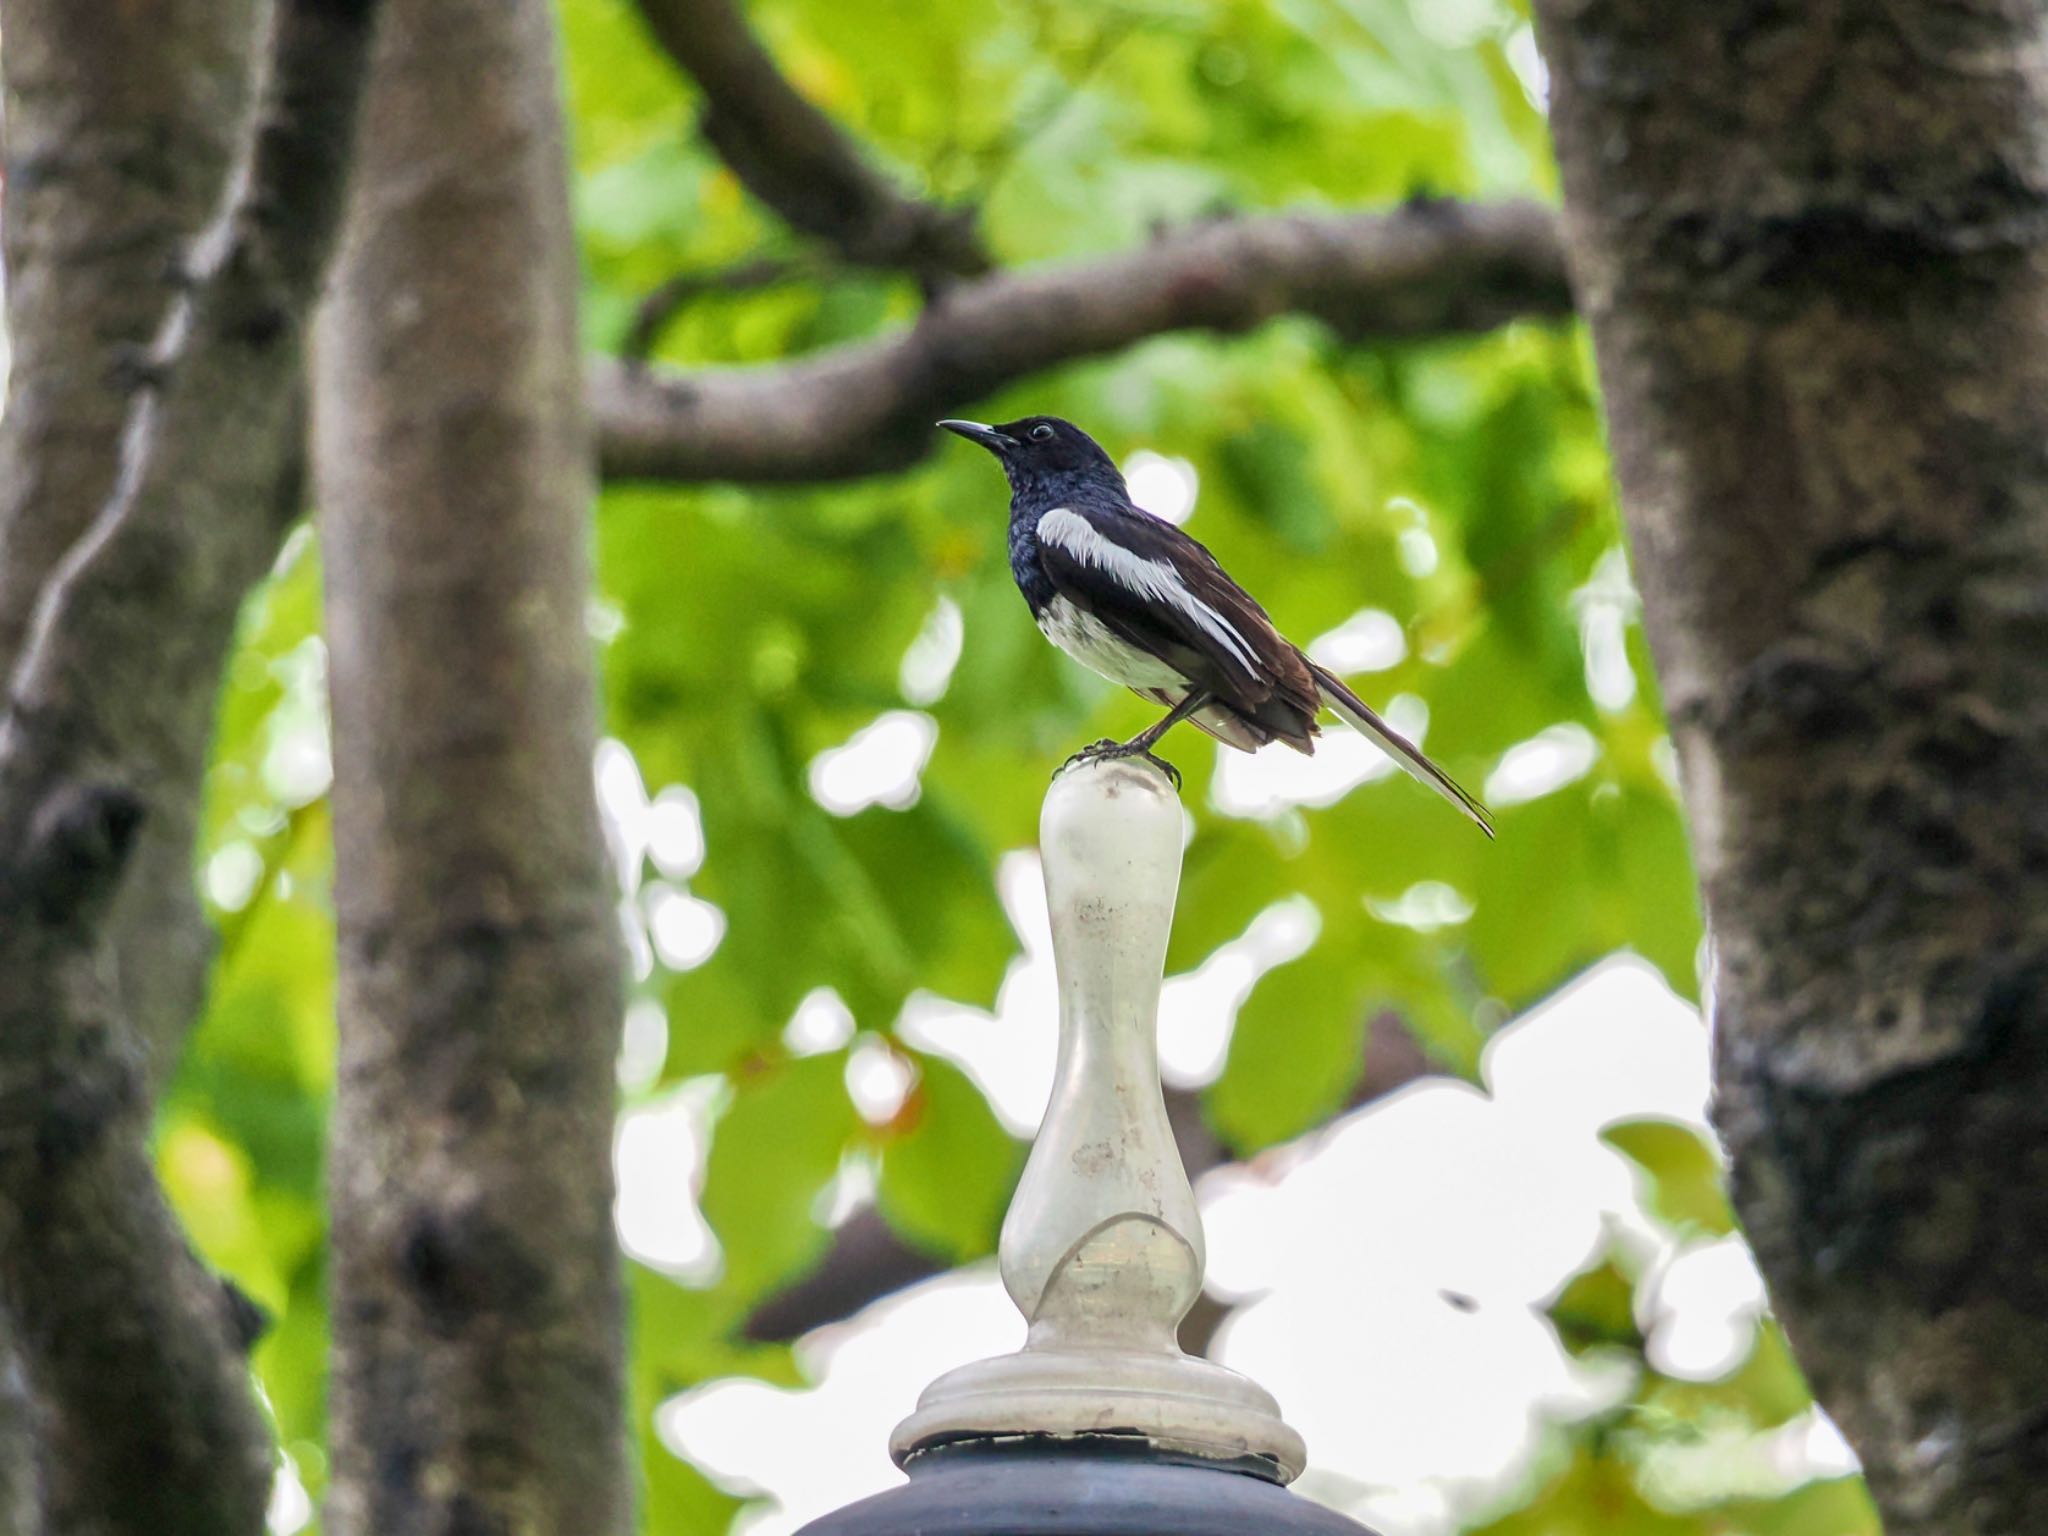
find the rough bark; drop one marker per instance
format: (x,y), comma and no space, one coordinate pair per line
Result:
(798,161)
(118,140)
(1810,242)
(133,1350)
(478,1380)
(1428,268)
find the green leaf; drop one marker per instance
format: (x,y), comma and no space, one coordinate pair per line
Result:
(1596,1492)
(677,1499)
(772,1154)
(1297,1050)
(933,878)
(1688,1191)
(1767,1389)
(1596,1311)
(1655,881)
(1231,872)
(1538,912)
(948,1170)
(1836,1506)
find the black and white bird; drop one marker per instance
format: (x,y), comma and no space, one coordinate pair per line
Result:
(1130,596)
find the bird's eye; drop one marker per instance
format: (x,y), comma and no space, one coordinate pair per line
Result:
(1042,433)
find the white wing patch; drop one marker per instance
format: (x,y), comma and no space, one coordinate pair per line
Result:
(1154,580)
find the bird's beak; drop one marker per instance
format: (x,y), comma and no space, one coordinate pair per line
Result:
(989,438)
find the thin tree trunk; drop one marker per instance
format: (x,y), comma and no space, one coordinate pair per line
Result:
(1810,242)
(478,1382)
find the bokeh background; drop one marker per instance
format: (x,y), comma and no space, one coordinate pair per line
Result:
(1447,1098)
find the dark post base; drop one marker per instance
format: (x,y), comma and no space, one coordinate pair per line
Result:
(1107,1487)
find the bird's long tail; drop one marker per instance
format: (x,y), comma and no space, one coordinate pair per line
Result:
(1359,715)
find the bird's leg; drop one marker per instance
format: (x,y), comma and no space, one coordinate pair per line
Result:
(1140,745)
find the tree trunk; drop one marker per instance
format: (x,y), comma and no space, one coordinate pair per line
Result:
(121,593)
(118,138)
(1809,240)
(478,1383)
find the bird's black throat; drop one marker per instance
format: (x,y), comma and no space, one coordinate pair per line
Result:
(1035,491)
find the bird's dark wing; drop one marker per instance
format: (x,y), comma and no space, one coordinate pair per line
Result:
(1163,592)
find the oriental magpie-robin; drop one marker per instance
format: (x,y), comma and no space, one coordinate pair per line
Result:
(1130,596)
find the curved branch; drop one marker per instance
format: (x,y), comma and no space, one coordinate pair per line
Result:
(866,408)
(663,303)
(797,160)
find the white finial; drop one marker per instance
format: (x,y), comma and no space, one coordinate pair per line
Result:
(1102,1250)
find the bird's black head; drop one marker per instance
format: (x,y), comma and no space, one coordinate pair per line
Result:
(1043,454)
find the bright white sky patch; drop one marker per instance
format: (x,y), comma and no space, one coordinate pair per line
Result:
(298,764)
(1198,1010)
(659,1159)
(633,931)
(851,1189)
(232,876)
(1371,640)
(1417,1412)
(1009,1054)
(877,1080)
(1813,1447)
(291,1507)
(686,929)
(819,1449)
(1705,1303)
(675,832)
(1261,785)
(878,765)
(1425,906)
(622,808)
(1526,60)
(1554,757)
(1162,486)
(669,829)
(1607,604)
(643,1045)
(929,660)
(822,1022)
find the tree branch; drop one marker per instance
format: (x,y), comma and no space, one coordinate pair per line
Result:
(661,305)
(796,160)
(868,408)
(129,1345)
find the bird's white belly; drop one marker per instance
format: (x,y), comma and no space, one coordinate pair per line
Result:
(1092,643)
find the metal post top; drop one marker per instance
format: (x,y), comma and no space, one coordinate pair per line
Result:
(1104,1487)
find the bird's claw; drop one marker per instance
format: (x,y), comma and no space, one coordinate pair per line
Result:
(1172,773)
(1098,750)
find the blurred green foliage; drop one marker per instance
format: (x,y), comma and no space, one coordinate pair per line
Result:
(1458,487)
